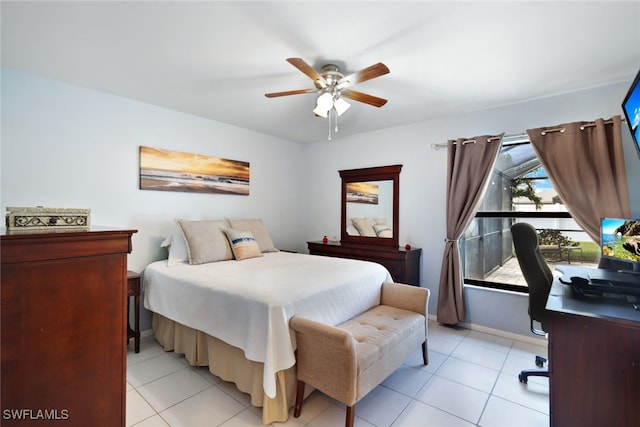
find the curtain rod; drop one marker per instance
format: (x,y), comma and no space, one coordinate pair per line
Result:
(514,139)
(521,137)
(582,127)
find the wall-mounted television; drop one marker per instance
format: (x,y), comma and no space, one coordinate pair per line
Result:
(620,242)
(631,108)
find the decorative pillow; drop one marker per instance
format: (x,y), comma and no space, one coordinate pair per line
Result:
(243,244)
(351,230)
(206,242)
(177,247)
(259,231)
(383,230)
(364,227)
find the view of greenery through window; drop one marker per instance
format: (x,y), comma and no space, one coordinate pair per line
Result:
(520,191)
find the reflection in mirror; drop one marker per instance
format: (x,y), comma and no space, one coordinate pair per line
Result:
(370,208)
(369,213)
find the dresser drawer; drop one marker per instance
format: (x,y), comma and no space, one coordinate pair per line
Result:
(396,268)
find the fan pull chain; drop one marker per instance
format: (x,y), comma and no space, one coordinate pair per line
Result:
(333,110)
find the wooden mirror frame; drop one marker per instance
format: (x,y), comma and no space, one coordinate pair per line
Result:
(381,173)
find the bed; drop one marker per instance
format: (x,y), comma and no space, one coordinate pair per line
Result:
(232,315)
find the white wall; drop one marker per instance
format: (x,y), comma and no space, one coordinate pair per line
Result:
(66,146)
(423,182)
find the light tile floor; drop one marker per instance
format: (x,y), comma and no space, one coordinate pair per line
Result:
(471,380)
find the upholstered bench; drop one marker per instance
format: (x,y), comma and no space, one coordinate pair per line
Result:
(349,360)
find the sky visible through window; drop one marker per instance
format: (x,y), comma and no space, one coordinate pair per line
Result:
(540,180)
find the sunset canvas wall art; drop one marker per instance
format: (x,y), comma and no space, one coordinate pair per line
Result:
(362,192)
(167,170)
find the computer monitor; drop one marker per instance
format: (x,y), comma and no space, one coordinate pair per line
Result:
(620,242)
(631,108)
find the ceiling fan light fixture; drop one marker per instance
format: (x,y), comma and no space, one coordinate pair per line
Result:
(321,112)
(324,104)
(341,105)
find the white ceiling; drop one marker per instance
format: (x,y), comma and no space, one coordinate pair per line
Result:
(217,59)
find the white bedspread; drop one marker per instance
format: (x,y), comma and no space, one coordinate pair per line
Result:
(248,303)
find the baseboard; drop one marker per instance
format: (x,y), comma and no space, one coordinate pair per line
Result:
(146,333)
(500,333)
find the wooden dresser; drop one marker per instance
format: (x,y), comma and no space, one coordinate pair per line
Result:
(403,264)
(63,301)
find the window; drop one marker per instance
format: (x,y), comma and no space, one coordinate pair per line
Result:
(520,190)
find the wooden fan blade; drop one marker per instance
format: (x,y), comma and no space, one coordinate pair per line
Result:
(301,65)
(363,97)
(289,92)
(371,72)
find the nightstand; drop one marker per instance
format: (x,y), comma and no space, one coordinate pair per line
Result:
(133,290)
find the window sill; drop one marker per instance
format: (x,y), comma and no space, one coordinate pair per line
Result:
(496,286)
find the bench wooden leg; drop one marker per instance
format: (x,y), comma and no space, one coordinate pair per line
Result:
(299,397)
(351,415)
(425,355)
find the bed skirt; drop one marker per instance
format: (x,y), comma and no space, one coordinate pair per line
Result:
(228,362)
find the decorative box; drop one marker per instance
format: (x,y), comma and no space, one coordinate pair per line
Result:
(42,218)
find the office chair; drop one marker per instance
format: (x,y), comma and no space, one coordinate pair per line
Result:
(539,278)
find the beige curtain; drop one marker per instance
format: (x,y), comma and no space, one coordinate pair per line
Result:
(585,163)
(469,166)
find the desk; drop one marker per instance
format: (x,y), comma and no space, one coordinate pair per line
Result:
(594,360)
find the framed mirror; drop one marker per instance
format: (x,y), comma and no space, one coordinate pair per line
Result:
(369,209)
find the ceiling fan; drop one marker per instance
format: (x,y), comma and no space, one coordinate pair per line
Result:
(333,86)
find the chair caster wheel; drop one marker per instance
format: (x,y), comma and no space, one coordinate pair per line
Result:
(540,361)
(522,378)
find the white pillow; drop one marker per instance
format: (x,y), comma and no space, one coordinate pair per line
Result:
(351,230)
(177,248)
(259,231)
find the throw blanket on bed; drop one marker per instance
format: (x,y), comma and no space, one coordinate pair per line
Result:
(248,303)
